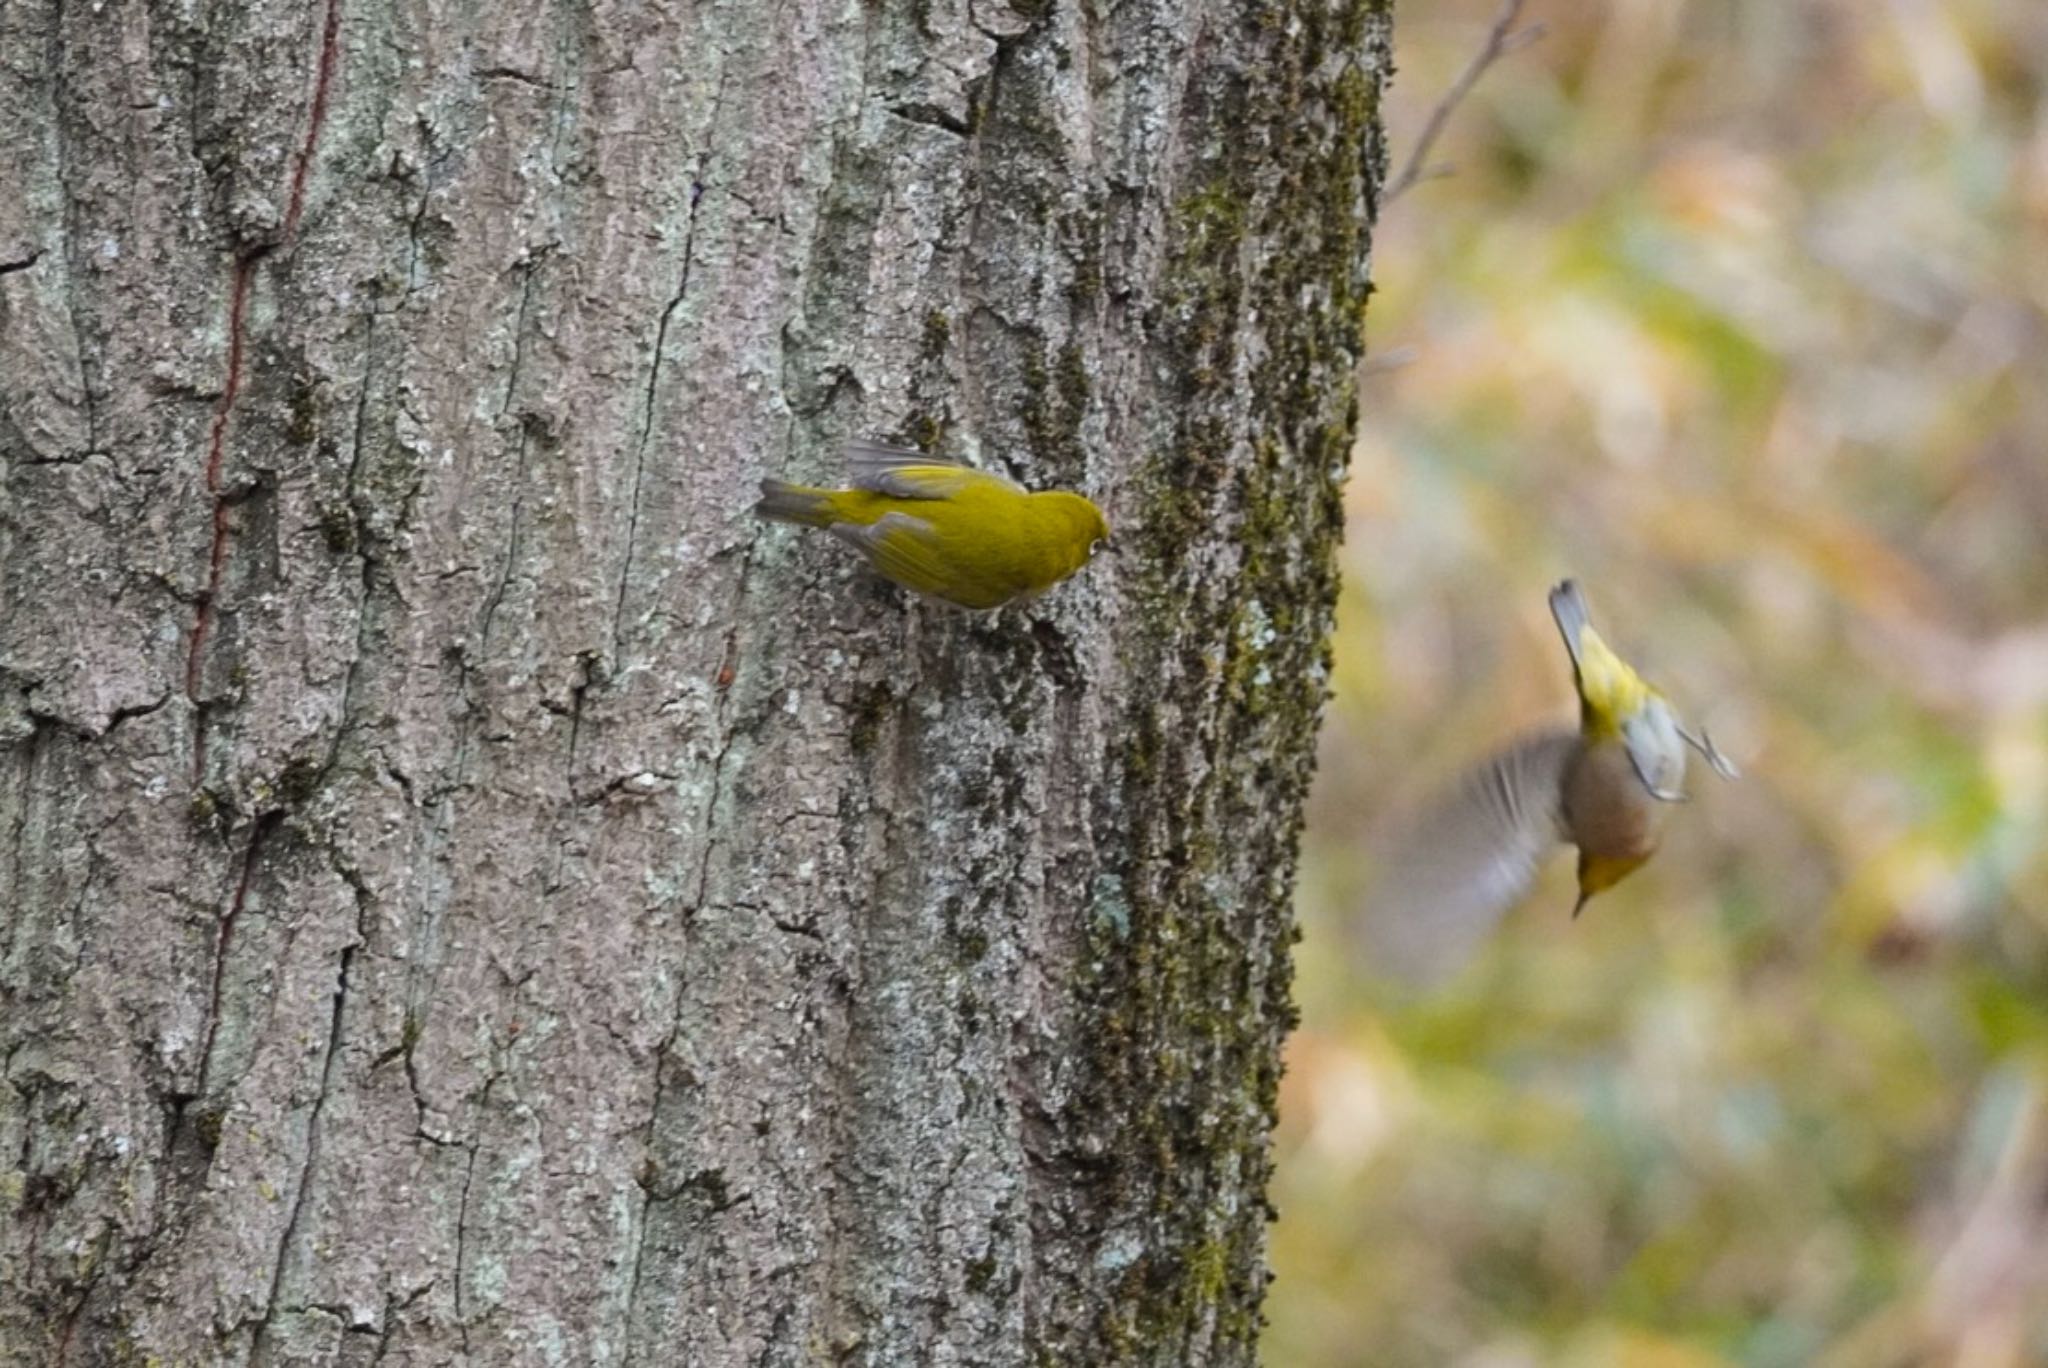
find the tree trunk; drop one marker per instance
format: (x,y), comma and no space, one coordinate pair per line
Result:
(473,893)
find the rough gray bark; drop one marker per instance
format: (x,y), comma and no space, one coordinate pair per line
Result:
(471,893)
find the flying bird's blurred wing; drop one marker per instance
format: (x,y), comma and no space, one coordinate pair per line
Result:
(1451,871)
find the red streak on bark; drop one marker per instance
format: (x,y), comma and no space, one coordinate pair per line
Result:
(216,443)
(216,456)
(330,48)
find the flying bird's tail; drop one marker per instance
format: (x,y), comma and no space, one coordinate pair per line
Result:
(1568,606)
(1611,693)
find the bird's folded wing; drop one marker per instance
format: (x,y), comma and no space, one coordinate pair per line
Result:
(1452,870)
(902,473)
(904,548)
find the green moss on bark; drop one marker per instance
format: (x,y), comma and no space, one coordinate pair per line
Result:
(1265,295)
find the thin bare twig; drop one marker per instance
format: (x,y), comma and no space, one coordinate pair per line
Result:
(1502,39)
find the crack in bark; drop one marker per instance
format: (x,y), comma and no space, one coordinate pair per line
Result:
(31,751)
(363,537)
(661,1053)
(430,162)
(419,1101)
(392,1307)
(216,453)
(224,941)
(466,730)
(403,1053)
(128,711)
(440,834)
(474,1147)
(653,376)
(535,256)
(654,369)
(419,218)
(258,1351)
(497,596)
(982,97)
(584,661)
(59,142)
(646,1196)
(730,734)
(931,116)
(505,73)
(77,1312)
(650,1167)
(10,267)
(529,266)
(462,1241)
(837,1302)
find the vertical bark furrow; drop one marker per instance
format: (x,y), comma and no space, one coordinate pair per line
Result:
(223,947)
(668,312)
(275,1309)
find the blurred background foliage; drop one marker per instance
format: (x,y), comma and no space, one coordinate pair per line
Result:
(1736,310)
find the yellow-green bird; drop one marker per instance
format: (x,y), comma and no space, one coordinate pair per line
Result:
(947,531)
(1604,788)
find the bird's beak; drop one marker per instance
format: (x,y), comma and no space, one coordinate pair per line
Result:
(1580,905)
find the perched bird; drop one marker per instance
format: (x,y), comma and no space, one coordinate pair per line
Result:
(1473,853)
(945,530)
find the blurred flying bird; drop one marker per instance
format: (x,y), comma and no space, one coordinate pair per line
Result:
(944,530)
(1466,858)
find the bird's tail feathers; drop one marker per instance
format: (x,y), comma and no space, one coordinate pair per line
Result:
(1610,691)
(794,503)
(1568,607)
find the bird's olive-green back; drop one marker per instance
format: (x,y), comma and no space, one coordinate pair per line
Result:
(981,543)
(949,531)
